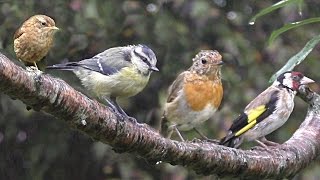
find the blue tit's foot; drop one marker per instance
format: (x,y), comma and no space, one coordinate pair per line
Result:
(119,111)
(132,119)
(119,115)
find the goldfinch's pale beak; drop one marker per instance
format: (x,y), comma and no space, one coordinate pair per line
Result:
(306,80)
(153,68)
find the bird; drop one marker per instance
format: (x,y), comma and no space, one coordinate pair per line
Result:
(194,96)
(33,39)
(267,112)
(116,72)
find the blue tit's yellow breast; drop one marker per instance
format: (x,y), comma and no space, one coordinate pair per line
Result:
(132,82)
(125,83)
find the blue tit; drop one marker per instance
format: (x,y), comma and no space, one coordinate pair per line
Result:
(267,112)
(115,72)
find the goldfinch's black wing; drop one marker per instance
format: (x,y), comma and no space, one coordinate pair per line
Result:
(255,112)
(108,62)
(175,87)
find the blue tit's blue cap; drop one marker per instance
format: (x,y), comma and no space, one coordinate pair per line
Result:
(147,51)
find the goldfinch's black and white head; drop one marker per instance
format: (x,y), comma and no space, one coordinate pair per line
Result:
(144,59)
(292,80)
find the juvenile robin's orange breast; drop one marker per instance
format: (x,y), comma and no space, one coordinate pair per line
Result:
(200,91)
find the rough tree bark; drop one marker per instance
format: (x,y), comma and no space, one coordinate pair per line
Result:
(55,97)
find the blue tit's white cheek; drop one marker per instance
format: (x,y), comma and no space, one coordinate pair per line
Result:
(141,66)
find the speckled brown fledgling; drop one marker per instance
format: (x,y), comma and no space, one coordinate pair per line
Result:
(33,40)
(195,95)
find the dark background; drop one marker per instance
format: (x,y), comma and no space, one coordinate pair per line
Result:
(35,145)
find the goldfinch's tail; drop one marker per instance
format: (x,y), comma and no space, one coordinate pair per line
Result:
(230,140)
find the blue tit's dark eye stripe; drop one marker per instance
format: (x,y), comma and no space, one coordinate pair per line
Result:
(147,51)
(144,59)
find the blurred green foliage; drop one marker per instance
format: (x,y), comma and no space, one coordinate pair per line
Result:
(34,145)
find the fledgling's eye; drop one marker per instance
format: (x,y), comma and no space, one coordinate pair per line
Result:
(203,61)
(43,23)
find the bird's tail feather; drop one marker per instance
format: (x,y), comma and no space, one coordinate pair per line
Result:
(229,140)
(165,131)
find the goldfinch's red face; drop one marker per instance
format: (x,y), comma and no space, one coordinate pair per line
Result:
(293,80)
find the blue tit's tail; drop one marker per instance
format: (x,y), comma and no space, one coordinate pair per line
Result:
(66,66)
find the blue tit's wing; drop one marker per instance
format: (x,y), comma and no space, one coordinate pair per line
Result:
(255,112)
(108,62)
(175,87)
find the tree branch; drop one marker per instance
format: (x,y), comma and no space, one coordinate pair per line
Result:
(55,97)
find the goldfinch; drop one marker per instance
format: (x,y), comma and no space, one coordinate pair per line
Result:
(267,112)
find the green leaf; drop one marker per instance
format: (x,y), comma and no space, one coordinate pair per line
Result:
(298,58)
(287,27)
(270,9)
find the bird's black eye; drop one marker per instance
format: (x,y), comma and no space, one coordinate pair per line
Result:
(43,23)
(295,78)
(203,61)
(144,59)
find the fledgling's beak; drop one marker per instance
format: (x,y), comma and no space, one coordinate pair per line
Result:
(153,68)
(220,63)
(54,28)
(306,80)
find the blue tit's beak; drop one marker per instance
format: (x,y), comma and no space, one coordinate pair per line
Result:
(153,68)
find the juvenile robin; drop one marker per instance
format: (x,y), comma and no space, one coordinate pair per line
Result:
(33,40)
(267,112)
(194,96)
